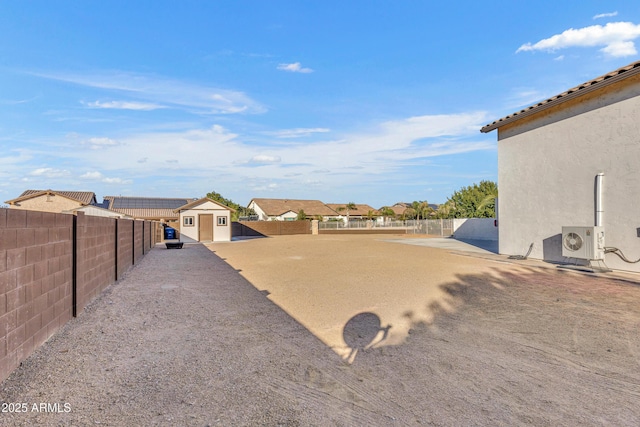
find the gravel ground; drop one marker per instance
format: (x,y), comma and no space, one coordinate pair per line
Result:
(333,330)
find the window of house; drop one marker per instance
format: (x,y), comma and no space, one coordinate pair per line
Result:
(188,221)
(222,220)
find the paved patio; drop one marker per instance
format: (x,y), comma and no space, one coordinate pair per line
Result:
(452,244)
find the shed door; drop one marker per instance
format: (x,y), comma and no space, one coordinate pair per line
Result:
(205,227)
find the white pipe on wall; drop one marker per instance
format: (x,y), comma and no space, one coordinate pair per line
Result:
(599,209)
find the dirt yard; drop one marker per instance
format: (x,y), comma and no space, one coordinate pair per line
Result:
(340,330)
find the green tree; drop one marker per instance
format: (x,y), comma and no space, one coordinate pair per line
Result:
(422,209)
(239,210)
(348,207)
(445,210)
(475,201)
(387,212)
(301,215)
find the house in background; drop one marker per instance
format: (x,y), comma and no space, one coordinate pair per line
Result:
(400,208)
(287,209)
(549,158)
(360,212)
(149,208)
(205,220)
(52,200)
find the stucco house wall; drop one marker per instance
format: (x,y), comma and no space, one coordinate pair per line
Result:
(191,233)
(262,216)
(547,164)
(475,228)
(47,203)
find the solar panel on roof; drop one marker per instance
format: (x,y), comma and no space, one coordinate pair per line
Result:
(147,203)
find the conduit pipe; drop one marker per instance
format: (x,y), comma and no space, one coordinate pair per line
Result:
(598,205)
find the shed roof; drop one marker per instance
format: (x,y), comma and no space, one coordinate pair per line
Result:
(594,84)
(201,201)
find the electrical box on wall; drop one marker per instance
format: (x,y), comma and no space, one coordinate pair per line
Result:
(638,231)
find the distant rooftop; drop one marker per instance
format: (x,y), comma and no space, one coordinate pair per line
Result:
(146,207)
(84,197)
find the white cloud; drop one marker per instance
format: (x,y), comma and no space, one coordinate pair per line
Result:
(116,181)
(294,67)
(298,132)
(98,143)
(98,176)
(124,105)
(620,49)
(91,175)
(162,91)
(606,15)
(215,153)
(616,37)
(50,173)
(265,159)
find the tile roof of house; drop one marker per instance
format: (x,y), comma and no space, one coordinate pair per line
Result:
(360,210)
(276,207)
(150,214)
(594,84)
(84,197)
(398,209)
(147,207)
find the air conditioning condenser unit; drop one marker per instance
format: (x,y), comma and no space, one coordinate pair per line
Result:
(583,242)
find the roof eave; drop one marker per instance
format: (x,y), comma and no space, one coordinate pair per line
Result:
(552,102)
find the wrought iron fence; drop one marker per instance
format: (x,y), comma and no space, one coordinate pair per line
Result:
(437,227)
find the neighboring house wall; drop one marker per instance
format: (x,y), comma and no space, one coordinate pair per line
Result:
(190,231)
(288,209)
(262,216)
(47,203)
(475,229)
(547,165)
(288,216)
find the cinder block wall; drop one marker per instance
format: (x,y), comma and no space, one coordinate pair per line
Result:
(35,281)
(125,246)
(37,272)
(96,257)
(138,248)
(270,228)
(149,236)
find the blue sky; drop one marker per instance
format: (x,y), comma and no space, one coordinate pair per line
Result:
(343,101)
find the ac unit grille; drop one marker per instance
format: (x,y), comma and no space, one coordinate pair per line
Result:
(573,241)
(583,242)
